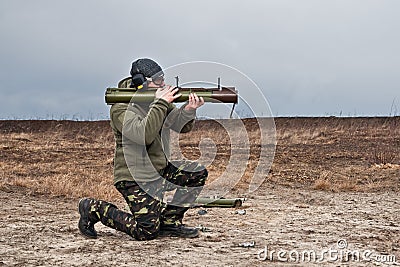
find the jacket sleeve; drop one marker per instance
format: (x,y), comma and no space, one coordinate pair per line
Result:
(141,130)
(180,120)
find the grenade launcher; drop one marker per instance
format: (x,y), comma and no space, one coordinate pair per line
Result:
(215,95)
(127,95)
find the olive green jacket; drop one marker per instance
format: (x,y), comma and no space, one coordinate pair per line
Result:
(142,136)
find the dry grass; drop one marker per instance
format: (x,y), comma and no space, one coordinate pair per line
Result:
(323,182)
(65,159)
(334,154)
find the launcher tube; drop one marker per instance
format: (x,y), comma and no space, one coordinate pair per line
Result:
(222,203)
(214,95)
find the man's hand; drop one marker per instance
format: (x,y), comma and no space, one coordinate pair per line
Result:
(168,93)
(194,102)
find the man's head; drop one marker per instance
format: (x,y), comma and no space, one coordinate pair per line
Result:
(145,70)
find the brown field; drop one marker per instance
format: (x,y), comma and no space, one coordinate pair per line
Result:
(332,178)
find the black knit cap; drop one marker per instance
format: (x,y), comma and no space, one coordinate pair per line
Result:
(147,67)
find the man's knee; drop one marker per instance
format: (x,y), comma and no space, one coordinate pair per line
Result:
(202,175)
(196,169)
(204,178)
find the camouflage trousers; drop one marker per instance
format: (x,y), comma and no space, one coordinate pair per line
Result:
(148,212)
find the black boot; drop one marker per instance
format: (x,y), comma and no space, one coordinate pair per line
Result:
(179,231)
(87,221)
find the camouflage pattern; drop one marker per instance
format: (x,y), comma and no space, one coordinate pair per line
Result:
(149,213)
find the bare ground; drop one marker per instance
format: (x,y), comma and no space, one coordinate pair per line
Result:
(41,231)
(331,180)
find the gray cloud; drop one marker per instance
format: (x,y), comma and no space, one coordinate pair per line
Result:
(309,57)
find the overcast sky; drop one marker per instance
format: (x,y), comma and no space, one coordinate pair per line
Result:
(309,57)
